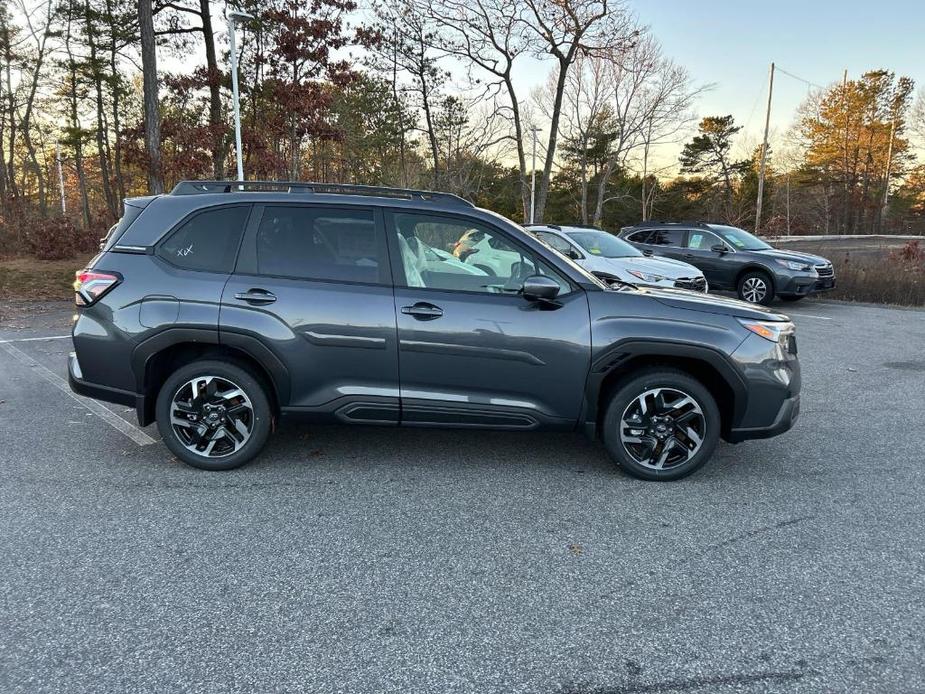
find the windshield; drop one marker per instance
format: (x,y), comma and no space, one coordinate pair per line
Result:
(603,244)
(739,239)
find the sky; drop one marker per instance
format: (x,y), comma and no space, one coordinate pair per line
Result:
(732,43)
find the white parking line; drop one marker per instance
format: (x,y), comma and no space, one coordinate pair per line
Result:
(807,315)
(35,339)
(104,413)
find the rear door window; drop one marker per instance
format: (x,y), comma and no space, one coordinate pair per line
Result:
(320,243)
(557,242)
(639,236)
(667,237)
(208,241)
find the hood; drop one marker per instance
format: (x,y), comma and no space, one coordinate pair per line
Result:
(807,258)
(712,303)
(672,269)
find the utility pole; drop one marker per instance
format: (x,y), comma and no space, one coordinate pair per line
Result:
(535,130)
(232,17)
(764,151)
(60,177)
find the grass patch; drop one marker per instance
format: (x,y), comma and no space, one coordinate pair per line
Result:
(29,278)
(892,277)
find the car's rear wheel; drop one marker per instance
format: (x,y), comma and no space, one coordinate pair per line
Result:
(213,415)
(661,425)
(756,286)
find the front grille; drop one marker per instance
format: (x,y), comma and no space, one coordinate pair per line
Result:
(825,270)
(697,284)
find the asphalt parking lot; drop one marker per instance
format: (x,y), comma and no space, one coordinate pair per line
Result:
(379,560)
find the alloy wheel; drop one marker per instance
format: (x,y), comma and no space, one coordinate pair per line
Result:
(754,289)
(211,416)
(662,428)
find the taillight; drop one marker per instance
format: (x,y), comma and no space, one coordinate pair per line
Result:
(89,285)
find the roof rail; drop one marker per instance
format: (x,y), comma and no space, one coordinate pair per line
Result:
(201,187)
(661,223)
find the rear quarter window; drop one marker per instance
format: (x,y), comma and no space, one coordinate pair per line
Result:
(208,241)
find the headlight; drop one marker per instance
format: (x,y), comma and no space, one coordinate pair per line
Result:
(774,331)
(646,276)
(793,265)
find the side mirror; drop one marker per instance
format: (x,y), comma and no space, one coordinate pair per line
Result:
(574,254)
(719,248)
(540,288)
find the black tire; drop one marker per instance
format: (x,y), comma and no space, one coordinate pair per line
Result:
(257,414)
(624,400)
(792,297)
(750,285)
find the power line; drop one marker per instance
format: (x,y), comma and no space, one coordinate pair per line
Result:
(799,79)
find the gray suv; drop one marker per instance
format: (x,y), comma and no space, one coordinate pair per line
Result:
(731,258)
(219,308)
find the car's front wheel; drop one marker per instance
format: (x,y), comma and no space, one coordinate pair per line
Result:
(661,425)
(756,286)
(213,415)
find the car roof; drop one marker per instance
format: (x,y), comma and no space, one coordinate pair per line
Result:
(162,212)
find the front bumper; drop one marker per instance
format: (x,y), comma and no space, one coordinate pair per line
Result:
(786,417)
(772,373)
(802,285)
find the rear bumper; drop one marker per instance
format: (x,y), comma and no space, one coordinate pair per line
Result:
(94,390)
(786,417)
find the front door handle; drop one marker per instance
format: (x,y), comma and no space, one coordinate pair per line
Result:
(256,296)
(422,311)
(688,255)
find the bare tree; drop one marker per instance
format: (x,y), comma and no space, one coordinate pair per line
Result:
(488,36)
(586,119)
(651,99)
(565,30)
(149,88)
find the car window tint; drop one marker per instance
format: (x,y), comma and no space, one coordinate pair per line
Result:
(666,237)
(639,236)
(318,243)
(207,241)
(459,255)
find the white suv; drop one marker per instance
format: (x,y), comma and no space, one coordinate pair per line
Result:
(609,258)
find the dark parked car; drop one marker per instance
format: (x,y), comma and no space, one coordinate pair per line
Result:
(220,307)
(733,259)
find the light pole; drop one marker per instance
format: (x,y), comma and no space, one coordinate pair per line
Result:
(535,130)
(232,18)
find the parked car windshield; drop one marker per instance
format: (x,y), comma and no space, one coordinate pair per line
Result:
(740,239)
(603,244)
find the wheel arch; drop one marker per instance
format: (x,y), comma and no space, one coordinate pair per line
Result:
(708,366)
(156,358)
(752,267)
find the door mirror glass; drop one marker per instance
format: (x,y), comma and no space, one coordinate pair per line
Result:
(540,288)
(719,248)
(574,254)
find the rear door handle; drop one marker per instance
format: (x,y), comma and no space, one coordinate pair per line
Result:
(422,311)
(688,255)
(256,296)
